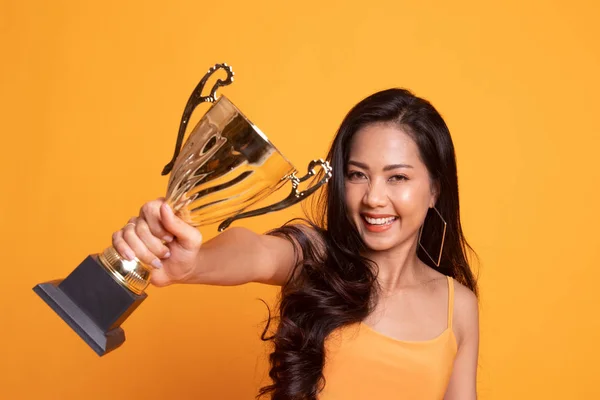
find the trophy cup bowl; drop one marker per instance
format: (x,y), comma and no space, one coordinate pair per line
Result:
(225,167)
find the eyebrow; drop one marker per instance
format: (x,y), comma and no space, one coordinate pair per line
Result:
(386,168)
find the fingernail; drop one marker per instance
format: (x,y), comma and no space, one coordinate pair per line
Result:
(167,207)
(129,255)
(168,238)
(156,263)
(167,255)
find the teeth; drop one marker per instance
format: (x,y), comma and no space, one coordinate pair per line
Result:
(380,221)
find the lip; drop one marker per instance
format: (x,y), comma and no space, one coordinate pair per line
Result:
(377,228)
(370,215)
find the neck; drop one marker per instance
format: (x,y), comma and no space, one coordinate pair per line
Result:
(398,267)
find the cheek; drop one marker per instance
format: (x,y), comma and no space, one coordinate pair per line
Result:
(411,201)
(354,195)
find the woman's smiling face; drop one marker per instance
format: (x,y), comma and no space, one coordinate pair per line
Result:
(388,187)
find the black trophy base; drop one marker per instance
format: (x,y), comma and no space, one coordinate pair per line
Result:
(93,303)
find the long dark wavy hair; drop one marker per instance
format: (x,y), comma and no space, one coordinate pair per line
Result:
(332,285)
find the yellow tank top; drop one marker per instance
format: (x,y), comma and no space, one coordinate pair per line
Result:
(362,363)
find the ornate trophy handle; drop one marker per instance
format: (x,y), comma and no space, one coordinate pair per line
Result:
(195,99)
(293,198)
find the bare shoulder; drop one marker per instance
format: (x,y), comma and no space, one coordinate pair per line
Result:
(466,312)
(303,236)
(287,247)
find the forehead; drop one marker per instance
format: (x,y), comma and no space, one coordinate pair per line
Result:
(384,144)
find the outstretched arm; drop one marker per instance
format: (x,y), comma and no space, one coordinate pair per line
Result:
(157,237)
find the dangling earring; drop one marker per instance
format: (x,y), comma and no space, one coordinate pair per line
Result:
(439,257)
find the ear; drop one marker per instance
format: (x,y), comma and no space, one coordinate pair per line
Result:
(435,194)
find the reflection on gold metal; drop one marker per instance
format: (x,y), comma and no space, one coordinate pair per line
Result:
(225,167)
(134,275)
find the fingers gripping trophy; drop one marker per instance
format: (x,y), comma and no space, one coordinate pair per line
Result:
(223,169)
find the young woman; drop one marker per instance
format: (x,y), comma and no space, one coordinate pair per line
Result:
(378,300)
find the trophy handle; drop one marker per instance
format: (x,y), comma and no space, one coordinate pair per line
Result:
(293,198)
(195,99)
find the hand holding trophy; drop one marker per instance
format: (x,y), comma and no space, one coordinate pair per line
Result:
(225,167)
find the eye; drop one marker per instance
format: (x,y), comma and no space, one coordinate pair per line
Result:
(398,178)
(355,176)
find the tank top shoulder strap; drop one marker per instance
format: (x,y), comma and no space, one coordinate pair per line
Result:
(450,301)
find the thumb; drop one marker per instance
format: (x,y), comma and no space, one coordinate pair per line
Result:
(187,236)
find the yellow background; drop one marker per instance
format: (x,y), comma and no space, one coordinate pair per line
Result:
(92,93)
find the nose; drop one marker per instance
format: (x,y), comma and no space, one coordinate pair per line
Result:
(376,195)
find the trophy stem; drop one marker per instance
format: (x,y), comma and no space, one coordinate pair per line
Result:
(133,275)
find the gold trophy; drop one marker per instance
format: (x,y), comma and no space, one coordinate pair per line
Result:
(225,167)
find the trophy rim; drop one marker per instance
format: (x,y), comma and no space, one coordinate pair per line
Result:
(257,130)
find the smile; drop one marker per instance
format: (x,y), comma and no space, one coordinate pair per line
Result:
(378,223)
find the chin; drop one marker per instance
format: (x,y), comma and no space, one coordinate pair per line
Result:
(379,243)
(380,240)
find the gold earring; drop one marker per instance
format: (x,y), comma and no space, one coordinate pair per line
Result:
(439,257)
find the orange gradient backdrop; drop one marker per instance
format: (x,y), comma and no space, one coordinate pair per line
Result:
(92,93)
